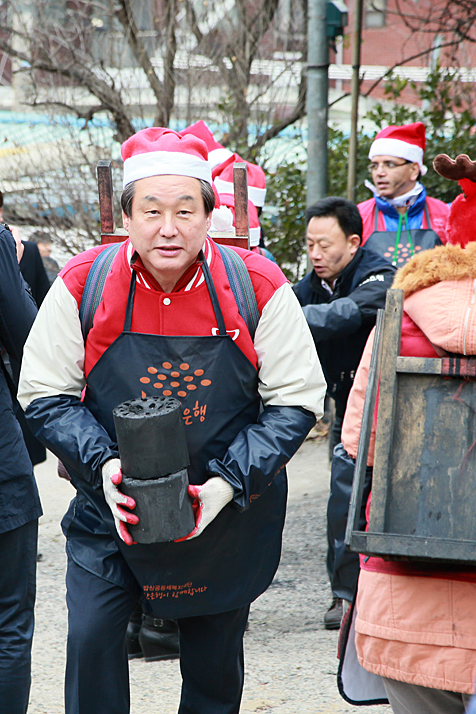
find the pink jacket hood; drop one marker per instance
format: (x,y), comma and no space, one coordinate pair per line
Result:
(440,296)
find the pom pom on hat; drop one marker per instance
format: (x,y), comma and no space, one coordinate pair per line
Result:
(223,178)
(404,142)
(157,151)
(228,199)
(217,153)
(222,219)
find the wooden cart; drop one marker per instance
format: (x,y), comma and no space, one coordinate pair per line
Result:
(424,478)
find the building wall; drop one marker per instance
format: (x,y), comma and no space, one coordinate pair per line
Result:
(394,42)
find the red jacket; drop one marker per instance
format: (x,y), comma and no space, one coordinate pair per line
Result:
(438,216)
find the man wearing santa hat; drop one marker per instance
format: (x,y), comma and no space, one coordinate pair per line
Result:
(401,220)
(171,322)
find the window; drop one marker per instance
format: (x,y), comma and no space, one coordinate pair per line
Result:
(375,13)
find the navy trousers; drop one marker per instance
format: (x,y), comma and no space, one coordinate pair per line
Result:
(97,675)
(18,549)
(343,566)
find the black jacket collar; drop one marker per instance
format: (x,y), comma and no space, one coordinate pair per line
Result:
(344,279)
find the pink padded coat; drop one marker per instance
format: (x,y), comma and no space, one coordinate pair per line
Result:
(414,623)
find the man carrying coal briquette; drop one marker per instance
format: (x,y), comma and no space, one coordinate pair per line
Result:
(167,302)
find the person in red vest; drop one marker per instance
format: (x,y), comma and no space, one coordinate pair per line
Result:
(400,220)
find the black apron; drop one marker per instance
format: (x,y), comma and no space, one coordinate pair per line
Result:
(399,246)
(234,560)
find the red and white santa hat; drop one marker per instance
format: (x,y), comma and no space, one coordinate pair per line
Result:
(217,153)
(223,178)
(405,142)
(228,199)
(157,151)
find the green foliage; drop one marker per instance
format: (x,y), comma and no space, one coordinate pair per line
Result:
(449,114)
(284,221)
(338,162)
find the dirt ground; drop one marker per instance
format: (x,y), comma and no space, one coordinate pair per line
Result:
(290,658)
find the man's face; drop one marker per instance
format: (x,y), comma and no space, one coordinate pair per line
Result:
(392,176)
(328,248)
(168,225)
(45,249)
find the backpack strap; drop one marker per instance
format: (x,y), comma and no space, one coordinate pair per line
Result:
(94,286)
(242,287)
(267,254)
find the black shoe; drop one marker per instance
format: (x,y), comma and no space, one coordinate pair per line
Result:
(159,639)
(134,650)
(333,616)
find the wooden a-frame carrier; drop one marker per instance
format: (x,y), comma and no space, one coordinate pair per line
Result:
(424,477)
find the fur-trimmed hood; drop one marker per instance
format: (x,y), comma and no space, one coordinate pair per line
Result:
(440,296)
(446,262)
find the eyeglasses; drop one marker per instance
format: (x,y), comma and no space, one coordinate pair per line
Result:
(390,165)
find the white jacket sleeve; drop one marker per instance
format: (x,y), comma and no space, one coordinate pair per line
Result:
(290,373)
(55,365)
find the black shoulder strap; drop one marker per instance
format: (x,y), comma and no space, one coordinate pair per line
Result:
(242,287)
(94,286)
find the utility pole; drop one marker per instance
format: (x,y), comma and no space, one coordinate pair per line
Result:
(354,118)
(326,21)
(317,100)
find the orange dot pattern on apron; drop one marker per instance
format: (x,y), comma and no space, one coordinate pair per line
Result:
(175,381)
(403,253)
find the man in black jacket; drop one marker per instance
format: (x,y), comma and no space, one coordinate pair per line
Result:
(34,273)
(20,504)
(31,267)
(340,299)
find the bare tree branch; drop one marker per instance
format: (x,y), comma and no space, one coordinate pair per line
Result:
(259,24)
(298,113)
(342,96)
(126,18)
(455,17)
(81,76)
(87,115)
(403,62)
(192,16)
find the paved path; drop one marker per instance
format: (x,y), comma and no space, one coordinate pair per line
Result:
(290,658)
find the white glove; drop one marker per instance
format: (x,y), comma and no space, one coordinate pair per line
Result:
(209,499)
(111,478)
